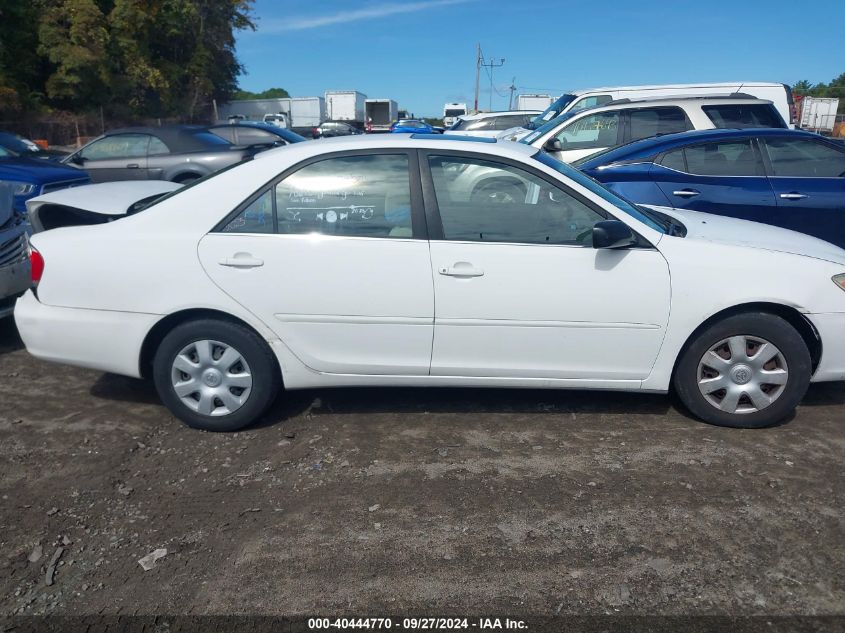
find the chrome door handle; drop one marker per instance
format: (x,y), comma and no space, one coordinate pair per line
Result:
(461,269)
(793,196)
(686,193)
(242,260)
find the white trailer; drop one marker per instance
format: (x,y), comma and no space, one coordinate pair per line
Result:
(307,112)
(819,113)
(346,105)
(534,102)
(381,113)
(302,113)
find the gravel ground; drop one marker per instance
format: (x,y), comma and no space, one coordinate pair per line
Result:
(387,501)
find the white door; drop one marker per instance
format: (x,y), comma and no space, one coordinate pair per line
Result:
(327,259)
(521,293)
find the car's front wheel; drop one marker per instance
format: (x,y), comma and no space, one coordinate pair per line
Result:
(215,375)
(747,371)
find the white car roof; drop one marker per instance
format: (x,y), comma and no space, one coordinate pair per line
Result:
(731,84)
(678,101)
(487,115)
(395,141)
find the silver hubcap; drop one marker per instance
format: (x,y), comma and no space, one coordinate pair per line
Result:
(211,378)
(742,374)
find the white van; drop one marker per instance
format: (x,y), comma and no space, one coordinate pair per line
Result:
(779,94)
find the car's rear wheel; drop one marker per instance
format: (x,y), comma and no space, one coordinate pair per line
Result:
(215,375)
(747,371)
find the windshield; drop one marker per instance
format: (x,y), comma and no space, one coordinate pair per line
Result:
(551,112)
(643,215)
(455,112)
(546,127)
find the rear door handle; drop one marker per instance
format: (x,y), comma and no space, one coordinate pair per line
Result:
(461,269)
(686,193)
(793,196)
(242,260)
(132,166)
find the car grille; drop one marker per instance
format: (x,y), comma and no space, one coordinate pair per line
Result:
(64,184)
(13,251)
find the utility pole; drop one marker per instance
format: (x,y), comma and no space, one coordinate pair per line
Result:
(478,61)
(512,89)
(491,65)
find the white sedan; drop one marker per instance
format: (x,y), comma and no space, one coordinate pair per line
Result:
(363,261)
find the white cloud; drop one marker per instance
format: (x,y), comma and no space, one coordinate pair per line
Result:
(372,12)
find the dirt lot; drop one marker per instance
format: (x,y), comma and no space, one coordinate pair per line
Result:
(445,501)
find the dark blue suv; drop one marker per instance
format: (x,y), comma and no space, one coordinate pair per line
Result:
(787,178)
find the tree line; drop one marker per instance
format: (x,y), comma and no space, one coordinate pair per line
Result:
(834,89)
(141,58)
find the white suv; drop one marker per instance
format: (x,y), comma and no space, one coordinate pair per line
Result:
(581,133)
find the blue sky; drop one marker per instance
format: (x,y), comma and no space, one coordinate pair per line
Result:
(422,52)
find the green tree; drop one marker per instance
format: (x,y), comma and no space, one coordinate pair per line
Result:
(74,37)
(270,93)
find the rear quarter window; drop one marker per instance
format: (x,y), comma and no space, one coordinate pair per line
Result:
(744,115)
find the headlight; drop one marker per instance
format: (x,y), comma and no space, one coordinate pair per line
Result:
(19,188)
(839,280)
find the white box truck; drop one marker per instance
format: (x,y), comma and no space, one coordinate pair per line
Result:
(380,114)
(307,112)
(819,113)
(348,106)
(534,102)
(302,113)
(452,111)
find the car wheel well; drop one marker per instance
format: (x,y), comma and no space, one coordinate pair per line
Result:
(159,331)
(186,177)
(790,315)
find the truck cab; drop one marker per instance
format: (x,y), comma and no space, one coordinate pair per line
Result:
(451,111)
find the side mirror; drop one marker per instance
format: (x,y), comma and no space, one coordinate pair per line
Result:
(77,159)
(613,234)
(554,145)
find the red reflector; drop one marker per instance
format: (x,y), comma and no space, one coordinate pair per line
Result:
(36,264)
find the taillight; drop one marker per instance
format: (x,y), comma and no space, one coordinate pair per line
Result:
(36,266)
(793,114)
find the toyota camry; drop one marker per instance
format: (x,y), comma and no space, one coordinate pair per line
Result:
(369,261)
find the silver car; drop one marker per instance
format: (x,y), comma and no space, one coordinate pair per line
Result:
(178,153)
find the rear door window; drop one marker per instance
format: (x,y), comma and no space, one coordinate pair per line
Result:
(738,115)
(353,196)
(647,122)
(805,158)
(726,158)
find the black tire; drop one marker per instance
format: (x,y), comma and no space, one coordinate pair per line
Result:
(766,326)
(262,364)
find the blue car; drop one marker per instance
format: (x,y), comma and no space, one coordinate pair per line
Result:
(251,133)
(787,178)
(412,126)
(30,177)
